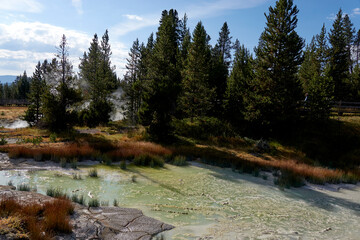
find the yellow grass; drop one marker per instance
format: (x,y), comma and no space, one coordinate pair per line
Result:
(12,113)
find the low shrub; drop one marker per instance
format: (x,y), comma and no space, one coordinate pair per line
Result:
(288,179)
(123,165)
(256,172)
(179,161)
(23,187)
(106,159)
(3,141)
(37,140)
(104,203)
(55,192)
(77,176)
(149,160)
(133,179)
(74,163)
(94,203)
(93,173)
(10,183)
(53,137)
(115,203)
(63,162)
(78,199)
(202,127)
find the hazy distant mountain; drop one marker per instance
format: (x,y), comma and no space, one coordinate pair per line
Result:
(7,78)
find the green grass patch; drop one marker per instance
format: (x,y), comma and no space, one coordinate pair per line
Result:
(149,161)
(93,203)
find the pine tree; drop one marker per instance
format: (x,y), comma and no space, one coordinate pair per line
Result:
(279,54)
(34,113)
(357,48)
(22,86)
(314,75)
(239,85)
(7,91)
(349,32)
(60,95)
(96,70)
(224,44)
(108,71)
(221,59)
(185,40)
(131,78)
(196,96)
(159,102)
(339,57)
(355,84)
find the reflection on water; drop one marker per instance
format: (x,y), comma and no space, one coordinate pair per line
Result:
(209,201)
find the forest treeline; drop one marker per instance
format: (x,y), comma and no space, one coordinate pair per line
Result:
(60,99)
(178,78)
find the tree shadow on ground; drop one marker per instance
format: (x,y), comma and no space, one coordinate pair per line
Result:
(314,198)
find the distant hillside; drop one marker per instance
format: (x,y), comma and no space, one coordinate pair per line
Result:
(7,78)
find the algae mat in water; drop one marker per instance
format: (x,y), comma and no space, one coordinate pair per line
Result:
(204,201)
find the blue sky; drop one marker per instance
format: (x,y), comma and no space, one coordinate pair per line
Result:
(30,29)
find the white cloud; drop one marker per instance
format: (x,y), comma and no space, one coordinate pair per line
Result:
(134,23)
(31,6)
(39,36)
(78,6)
(133,17)
(15,62)
(42,33)
(356,11)
(332,17)
(213,8)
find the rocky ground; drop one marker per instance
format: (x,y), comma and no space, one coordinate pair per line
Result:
(98,223)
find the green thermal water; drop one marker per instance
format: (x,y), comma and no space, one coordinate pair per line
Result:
(209,201)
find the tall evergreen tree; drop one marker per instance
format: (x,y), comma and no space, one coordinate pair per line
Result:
(22,86)
(96,70)
(132,95)
(355,84)
(60,96)
(34,113)
(1,91)
(339,57)
(279,54)
(196,96)
(349,32)
(109,77)
(314,75)
(159,103)
(357,48)
(7,91)
(224,44)
(239,85)
(220,63)
(185,39)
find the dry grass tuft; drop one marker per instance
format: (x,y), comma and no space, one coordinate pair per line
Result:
(57,151)
(12,113)
(134,149)
(56,216)
(35,221)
